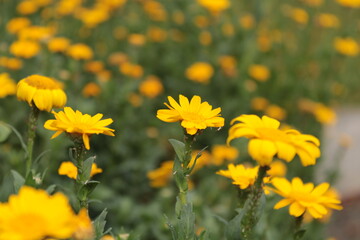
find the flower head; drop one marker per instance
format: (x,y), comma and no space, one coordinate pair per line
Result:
(241,175)
(70,170)
(46,93)
(347,46)
(305,197)
(25,48)
(34,214)
(215,6)
(161,176)
(80,51)
(259,72)
(267,140)
(8,86)
(78,124)
(200,72)
(194,115)
(151,87)
(59,44)
(222,153)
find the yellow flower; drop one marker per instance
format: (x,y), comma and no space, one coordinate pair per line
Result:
(215,6)
(203,160)
(91,90)
(79,124)
(70,170)
(267,140)
(84,229)
(346,46)
(241,175)
(59,44)
(349,3)
(136,39)
(259,103)
(161,176)
(94,16)
(66,7)
(328,20)
(155,10)
(259,72)
(157,34)
(194,115)
(46,93)
(36,33)
(247,21)
(34,214)
(27,7)
(228,65)
(305,197)
(275,111)
(107,237)
(277,169)
(151,87)
(80,51)
(16,24)
(200,72)
(299,15)
(24,48)
(205,38)
(11,63)
(8,86)
(222,153)
(131,70)
(324,114)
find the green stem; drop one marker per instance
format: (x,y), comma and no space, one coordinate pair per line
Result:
(79,152)
(32,122)
(297,229)
(250,218)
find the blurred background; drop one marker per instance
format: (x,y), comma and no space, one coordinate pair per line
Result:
(295,61)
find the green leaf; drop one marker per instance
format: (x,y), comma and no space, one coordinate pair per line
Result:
(51,189)
(299,234)
(23,145)
(87,168)
(5,131)
(232,229)
(179,148)
(86,189)
(186,223)
(198,155)
(19,180)
(171,227)
(99,224)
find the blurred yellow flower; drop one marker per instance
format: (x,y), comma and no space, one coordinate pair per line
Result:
(205,38)
(135,99)
(156,34)
(275,111)
(161,176)
(27,7)
(155,10)
(222,153)
(203,160)
(277,169)
(94,66)
(324,114)
(91,90)
(259,103)
(328,20)
(91,17)
(151,87)
(201,21)
(8,86)
(200,72)
(36,33)
(215,6)
(46,93)
(349,3)
(107,237)
(11,63)
(16,24)
(131,70)
(228,65)
(313,3)
(228,29)
(79,125)
(299,15)
(259,72)
(33,214)
(241,175)
(24,48)
(84,228)
(178,17)
(267,140)
(346,46)
(66,7)
(194,115)
(80,51)
(70,170)
(136,39)
(305,197)
(247,21)
(118,58)
(59,44)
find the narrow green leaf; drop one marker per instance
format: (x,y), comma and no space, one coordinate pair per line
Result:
(99,224)
(5,131)
(232,229)
(51,189)
(179,148)
(87,168)
(19,180)
(23,145)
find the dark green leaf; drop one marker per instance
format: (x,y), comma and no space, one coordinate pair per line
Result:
(179,148)
(5,131)
(19,180)
(87,168)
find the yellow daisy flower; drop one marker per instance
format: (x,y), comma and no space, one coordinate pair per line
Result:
(70,170)
(267,140)
(241,175)
(46,93)
(305,197)
(161,176)
(194,115)
(8,86)
(34,214)
(79,124)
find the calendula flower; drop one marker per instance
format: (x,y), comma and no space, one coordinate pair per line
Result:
(161,176)
(267,140)
(46,93)
(80,51)
(151,87)
(70,170)
(8,86)
(305,197)
(16,24)
(59,44)
(200,72)
(215,6)
(347,46)
(194,115)
(259,72)
(33,214)
(11,63)
(241,175)
(349,3)
(222,153)
(328,20)
(78,124)
(25,48)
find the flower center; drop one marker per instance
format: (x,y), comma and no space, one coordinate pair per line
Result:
(272,134)
(302,196)
(42,82)
(192,117)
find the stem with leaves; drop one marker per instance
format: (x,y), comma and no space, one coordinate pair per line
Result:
(32,122)
(81,179)
(298,232)
(251,216)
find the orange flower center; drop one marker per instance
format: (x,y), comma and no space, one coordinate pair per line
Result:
(41,82)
